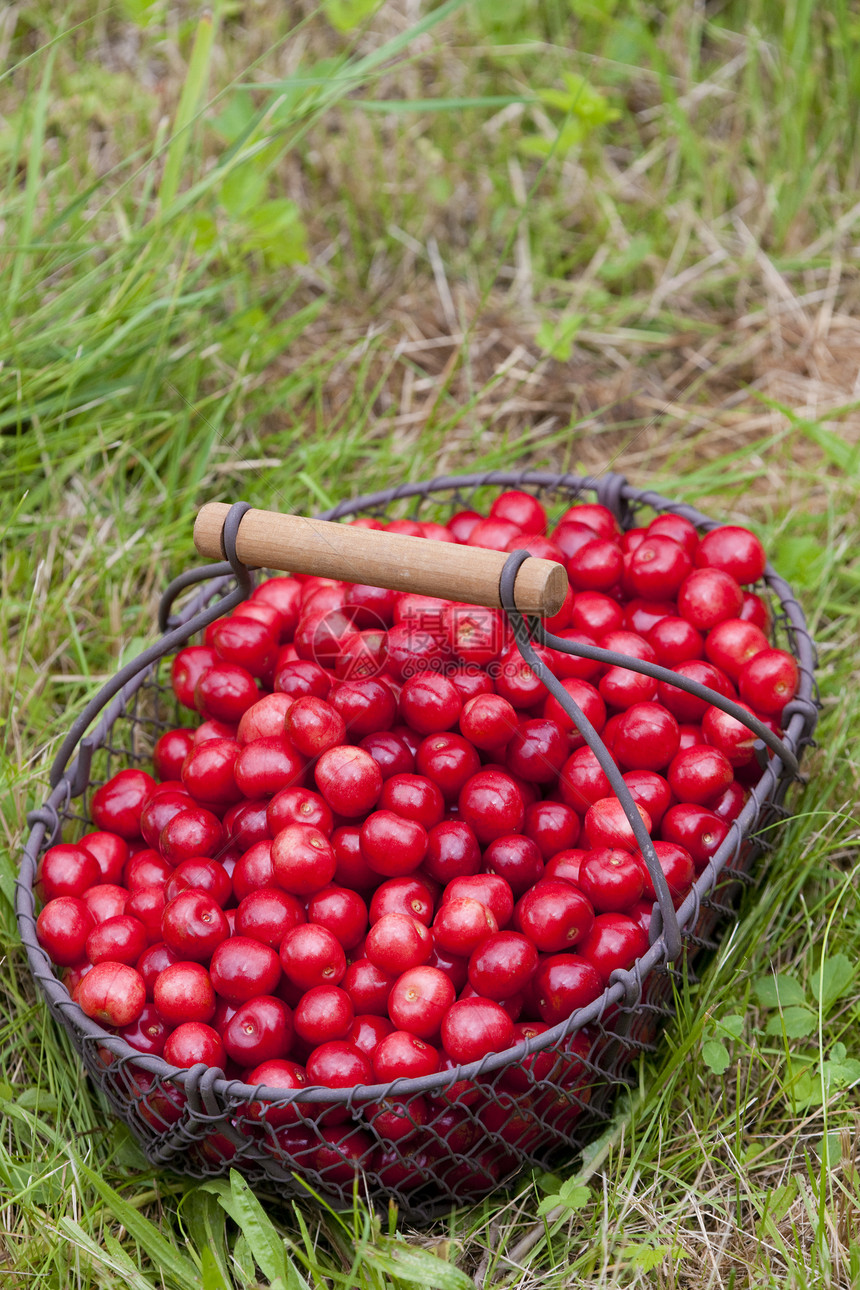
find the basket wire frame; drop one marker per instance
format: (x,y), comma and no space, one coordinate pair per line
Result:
(472,1128)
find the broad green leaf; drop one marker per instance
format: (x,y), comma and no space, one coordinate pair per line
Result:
(243,188)
(781,1199)
(835,977)
(409,1263)
(731,1026)
(715,1055)
(573,1194)
(276,229)
(264,1242)
(344,15)
(793,1022)
(779,991)
(648,1257)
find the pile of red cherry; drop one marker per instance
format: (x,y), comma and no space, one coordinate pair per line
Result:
(386,851)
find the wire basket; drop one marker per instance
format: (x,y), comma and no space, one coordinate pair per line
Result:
(462,1133)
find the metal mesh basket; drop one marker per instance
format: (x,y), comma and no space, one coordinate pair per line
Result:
(461,1133)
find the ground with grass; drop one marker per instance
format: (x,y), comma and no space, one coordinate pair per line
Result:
(292,253)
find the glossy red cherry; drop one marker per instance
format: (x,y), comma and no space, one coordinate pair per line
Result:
(647,737)
(295,677)
(391,845)
(261,1030)
(303,859)
(709,596)
(183,991)
(63,927)
(342,912)
(412,895)
(113,994)
(768,681)
(475,634)
(413,797)
(242,968)
(244,641)
(675,641)
(368,987)
(553,915)
(170,751)
(419,1000)
(397,943)
(367,705)
(193,831)
(537,750)
(299,806)
(264,718)
(225,691)
(611,879)
(110,852)
(117,940)
(488,721)
(268,765)
(521,509)
(452,851)
(448,760)
(696,828)
(615,941)
(492,805)
(267,914)
(324,1013)
(390,752)
(186,670)
(699,774)
(193,925)
(349,780)
(67,870)
(311,955)
(472,1028)
(502,965)
(607,825)
(462,924)
(735,551)
(516,859)
(117,806)
(596,566)
(732,643)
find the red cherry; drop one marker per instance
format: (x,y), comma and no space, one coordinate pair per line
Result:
(768,681)
(117,940)
(472,1028)
(349,780)
(312,956)
(452,851)
(268,765)
(342,912)
(245,641)
(430,703)
(110,852)
(397,943)
(733,643)
(492,805)
(521,509)
(611,879)
(113,993)
(647,737)
(502,965)
(409,895)
(596,566)
(368,987)
(735,551)
(390,753)
(597,517)
(324,1013)
(264,719)
(462,924)
(449,761)
(242,968)
(183,991)
(67,870)
(194,1042)
(709,596)
(419,1000)
(489,889)
(295,677)
(117,806)
(299,806)
(699,774)
(516,859)
(303,860)
(267,914)
(413,797)
(607,825)
(186,670)
(391,845)
(488,721)
(699,830)
(475,634)
(366,705)
(63,927)
(193,925)
(553,915)
(225,691)
(193,831)
(614,941)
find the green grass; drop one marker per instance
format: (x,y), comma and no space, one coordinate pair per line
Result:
(295,259)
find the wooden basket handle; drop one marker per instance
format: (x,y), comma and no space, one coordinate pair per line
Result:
(296,544)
